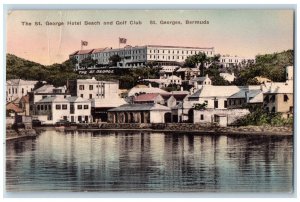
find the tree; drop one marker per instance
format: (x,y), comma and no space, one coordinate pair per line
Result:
(200,59)
(200,106)
(114,59)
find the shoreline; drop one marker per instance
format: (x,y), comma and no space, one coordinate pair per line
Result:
(182,128)
(194,132)
(188,128)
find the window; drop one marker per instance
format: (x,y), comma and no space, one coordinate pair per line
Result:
(216,104)
(46,107)
(273,109)
(49,107)
(81,95)
(42,107)
(49,117)
(285,98)
(64,107)
(91,96)
(225,103)
(57,107)
(291,109)
(81,87)
(201,117)
(86,106)
(31,107)
(79,106)
(38,107)
(22,90)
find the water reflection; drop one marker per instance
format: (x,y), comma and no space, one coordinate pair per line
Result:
(143,161)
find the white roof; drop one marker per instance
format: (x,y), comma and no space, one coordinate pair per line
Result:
(278,87)
(45,89)
(216,91)
(93,81)
(107,103)
(20,82)
(257,98)
(183,69)
(77,99)
(55,99)
(174,77)
(135,90)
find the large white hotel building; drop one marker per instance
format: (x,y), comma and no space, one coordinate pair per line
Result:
(138,56)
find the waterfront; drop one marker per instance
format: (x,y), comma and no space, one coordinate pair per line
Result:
(149,161)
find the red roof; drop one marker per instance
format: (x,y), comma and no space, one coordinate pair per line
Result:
(98,50)
(25,99)
(82,52)
(146,97)
(15,108)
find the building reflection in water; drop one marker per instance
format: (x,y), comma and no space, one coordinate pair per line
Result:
(144,161)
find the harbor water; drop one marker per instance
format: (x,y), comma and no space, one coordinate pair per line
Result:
(106,161)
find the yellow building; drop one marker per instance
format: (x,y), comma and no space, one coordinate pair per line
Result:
(280,99)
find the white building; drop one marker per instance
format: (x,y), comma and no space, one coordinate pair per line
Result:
(47,91)
(140,55)
(80,110)
(228,77)
(93,89)
(214,96)
(50,110)
(103,95)
(198,82)
(222,117)
(16,88)
(235,61)
(165,82)
(140,113)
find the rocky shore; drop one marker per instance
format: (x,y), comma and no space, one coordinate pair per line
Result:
(193,128)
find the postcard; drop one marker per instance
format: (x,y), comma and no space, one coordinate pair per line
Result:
(150,101)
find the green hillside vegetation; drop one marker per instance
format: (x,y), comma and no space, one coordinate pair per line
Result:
(271,66)
(58,74)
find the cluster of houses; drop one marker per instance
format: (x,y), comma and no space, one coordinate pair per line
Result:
(93,101)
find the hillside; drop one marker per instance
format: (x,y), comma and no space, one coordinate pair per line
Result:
(271,66)
(58,74)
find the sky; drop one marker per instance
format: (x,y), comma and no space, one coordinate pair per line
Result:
(245,33)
